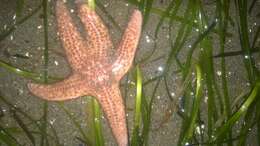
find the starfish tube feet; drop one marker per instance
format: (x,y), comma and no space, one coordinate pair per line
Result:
(72,42)
(128,45)
(63,90)
(97,33)
(112,104)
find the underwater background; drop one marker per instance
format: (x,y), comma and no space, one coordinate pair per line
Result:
(194,81)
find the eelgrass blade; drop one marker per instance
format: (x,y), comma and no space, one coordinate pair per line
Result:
(1,113)
(196,43)
(146,6)
(171,9)
(81,140)
(206,60)
(252,6)
(223,16)
(44,138)
(249,62)
(99,139)
(20,72)
(257,119)
(46,41)
(25,73)
(10,105)
(76,124)
(167,88)
(180,19)
(32,121)
(12,28)
(196,14)
(183,33)
(161,12)
(23,126)
(239,113)
(152,80)
(147,113)
(110,18)
(7,138)
(235,53)
(177,18)
(91,4)
(248,124)
(256,37)
(174,106)
(25,115)
(136,140)
(241,7)
(56,138)
(19,7)
(195,108)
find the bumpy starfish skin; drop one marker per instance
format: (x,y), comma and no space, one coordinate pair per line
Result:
(94,71)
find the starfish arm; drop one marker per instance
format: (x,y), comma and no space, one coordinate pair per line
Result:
(97,33)
(112,104)
(70,88)
(71,40)
(127,46)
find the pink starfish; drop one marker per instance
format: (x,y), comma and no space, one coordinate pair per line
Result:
(95,71)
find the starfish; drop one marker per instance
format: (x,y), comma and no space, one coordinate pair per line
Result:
(96,68)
